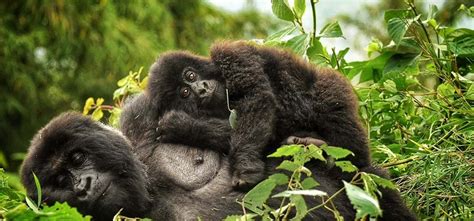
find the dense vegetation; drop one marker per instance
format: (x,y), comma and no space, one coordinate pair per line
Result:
(416,94)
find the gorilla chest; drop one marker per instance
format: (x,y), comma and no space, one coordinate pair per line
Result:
(186,167)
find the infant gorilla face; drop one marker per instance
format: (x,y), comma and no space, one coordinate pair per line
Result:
(180,80)
(87,165)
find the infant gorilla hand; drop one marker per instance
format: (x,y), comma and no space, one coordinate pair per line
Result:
(174,126)
(247,173)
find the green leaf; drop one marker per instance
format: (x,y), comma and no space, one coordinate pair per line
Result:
(331,30)
(383,182)
(256,197)
(461,42)
(300,8)
(287,150)
(390,86)
(298,43)
(397,27)
(364,204)
(337,152)
(282,33)
(38,189)
(309,183)
(288,165)
(279,178)
(470,93)
(396,13)
(445,89)
(31,204)
(346,166)
(315,152)
(281,10)
(300,205)
(246,217)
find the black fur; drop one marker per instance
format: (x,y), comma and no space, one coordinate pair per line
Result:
(105,159)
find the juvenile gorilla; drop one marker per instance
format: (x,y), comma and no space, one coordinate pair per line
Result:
(275,94)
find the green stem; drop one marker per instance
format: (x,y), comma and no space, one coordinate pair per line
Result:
(313,10)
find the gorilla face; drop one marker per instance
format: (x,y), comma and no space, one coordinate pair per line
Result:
(87,165)
(180,80)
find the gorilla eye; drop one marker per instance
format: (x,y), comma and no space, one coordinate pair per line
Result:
(190,76)
(78,158)
(185,92)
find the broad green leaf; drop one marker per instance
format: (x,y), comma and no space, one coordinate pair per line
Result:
(315,152)
(281,10)
(396,13)
(390,86)
(399,63)
(287,150)
(300,205)
(88,105)
(288,165)
(383,182)
(337,152)
(309,183)
(331,30)
(445,89)
(346,166)
(282,33)
(397,27)
(300,7)
(364,204)
(279,178)
(461,42)
(298,43)
(257,196)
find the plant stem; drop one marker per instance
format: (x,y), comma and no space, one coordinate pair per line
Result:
(313,11)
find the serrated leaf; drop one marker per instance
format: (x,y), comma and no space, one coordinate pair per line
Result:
(288,165)
(87,106)
(300,8)
(346,166)
(258,195)
(281,10)
(331,30)
(315,153)
(279,178)
(309,183)
(337,152)
(461,42)
(300,205)
(383,182)
(287,150)
(364,204)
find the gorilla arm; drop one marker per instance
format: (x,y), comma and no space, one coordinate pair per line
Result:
(252,96)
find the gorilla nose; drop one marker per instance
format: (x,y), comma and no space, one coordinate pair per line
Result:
(83,186)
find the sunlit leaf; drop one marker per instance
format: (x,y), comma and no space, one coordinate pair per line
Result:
(346,166)
(337,152)
(88,105)
(281,10)
(300,7)
(287,150)
(288,165)
(331,30)
(364,204)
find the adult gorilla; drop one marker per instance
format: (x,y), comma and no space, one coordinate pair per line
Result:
(91,166)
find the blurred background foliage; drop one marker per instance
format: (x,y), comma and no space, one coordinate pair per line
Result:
(55,54)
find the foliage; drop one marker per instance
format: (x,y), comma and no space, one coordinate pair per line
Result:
(12,206)
(422,131)
(55,54)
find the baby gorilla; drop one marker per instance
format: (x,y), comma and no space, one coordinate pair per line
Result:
(88,165)
(275,94)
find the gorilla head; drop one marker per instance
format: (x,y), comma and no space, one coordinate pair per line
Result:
(88,165)
(181,80)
